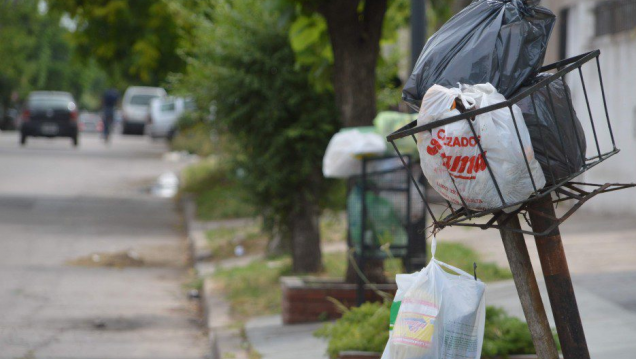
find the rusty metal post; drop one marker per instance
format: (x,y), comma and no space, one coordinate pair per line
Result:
(558,280)
(527,288)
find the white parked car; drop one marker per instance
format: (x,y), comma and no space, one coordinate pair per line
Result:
(164,114)
(135,107)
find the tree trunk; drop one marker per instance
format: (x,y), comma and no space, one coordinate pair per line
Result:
(355,39)
(304,226)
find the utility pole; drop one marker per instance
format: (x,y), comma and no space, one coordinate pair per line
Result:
(418,29)
(417,250)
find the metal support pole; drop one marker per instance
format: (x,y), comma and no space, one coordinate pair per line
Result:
(418,29)
(361,257)
(558,280)
(527,288)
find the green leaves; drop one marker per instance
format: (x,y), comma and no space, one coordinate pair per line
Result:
(136,41)
(310,41)
(241,61)
(365,328)
(37,53)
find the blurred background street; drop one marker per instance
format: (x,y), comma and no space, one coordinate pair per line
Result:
(186,179)
(92,265)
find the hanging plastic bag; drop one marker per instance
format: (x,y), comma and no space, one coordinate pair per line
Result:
(557,136)
(341,158)
(502,42)
(441,316)
(452,161)
(383,224)
(404,283)
(387,122)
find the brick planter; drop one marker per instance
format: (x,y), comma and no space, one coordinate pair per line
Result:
(359,355)
(305,299)
(372,355)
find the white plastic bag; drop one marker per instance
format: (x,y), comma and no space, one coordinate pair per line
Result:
(442,316)
(450,155)
(341,157)
(404,283)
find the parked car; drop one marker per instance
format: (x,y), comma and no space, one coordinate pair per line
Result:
(164,114)
(90,122)
(135,108)
(49,114)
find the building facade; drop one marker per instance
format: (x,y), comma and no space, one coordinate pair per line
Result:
(609,26)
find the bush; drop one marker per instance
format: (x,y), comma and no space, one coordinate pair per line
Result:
(506,335)
(463,258)
(279,126)
(196,139)
(218,193)
(367,329)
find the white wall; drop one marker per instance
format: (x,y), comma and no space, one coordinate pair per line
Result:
(618,66)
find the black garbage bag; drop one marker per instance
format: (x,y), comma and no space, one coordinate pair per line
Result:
(502,42)
(556,133)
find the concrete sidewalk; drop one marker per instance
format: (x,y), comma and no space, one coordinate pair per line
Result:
(610,328)
(594,243)
(273,340)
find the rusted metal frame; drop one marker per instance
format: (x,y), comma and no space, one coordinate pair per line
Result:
(461,198)
(483,155)
(612,186)
(563,63)
(589,112)
(573,64)
(605,155)
(600,78)
(619,187)
(556,122)
(568,193)
(457,219)
(450,206)
(571,108)
(527,288)
(557,220)
(572,187)
(534,105)
(558,281)
(578,204)
(523,152)
(492,220)
(414,182)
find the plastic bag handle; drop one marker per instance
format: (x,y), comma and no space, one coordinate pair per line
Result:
(442,264)
(454,269)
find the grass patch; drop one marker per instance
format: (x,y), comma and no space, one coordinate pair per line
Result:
(333,227)
(255,290)
(217,192)
(462,257)
(196,139)
(222,241)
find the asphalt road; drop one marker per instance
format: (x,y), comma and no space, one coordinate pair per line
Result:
(58,207)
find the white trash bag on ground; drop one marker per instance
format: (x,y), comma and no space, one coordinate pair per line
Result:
(441,316)
(341,158)
(450,155)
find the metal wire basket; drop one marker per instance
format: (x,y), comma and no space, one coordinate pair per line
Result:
(384,213)
(560,189)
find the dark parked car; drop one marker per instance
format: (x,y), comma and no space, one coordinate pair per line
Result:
(49,114)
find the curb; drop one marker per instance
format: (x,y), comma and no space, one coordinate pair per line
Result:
(225,339)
